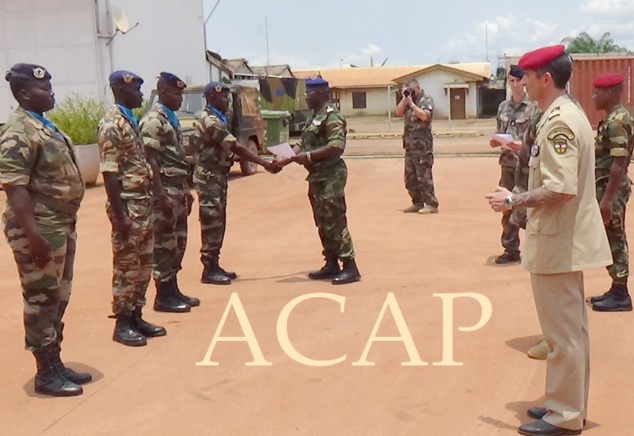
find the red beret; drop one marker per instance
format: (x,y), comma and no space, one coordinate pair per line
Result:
(607,80)
(536,59)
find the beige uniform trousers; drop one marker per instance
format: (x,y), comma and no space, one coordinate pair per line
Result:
(559,300)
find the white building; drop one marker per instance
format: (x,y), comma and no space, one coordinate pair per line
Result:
(76,41)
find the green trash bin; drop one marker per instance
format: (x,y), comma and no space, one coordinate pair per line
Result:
(276,126)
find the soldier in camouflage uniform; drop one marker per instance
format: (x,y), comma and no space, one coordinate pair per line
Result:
(161,134)
(322,143)
(613,152)
(417,108)
(214,148)
(514,117)
(44,188)
(127,177)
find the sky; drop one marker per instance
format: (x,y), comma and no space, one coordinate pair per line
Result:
(334,33)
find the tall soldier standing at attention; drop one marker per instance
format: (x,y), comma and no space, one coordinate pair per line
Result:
(514,118)
(417,108)
(214,148)
(127,177)
(323,142)
(161,134)
(39,173)
(613,150)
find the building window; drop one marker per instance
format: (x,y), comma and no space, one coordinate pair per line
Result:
(358,100)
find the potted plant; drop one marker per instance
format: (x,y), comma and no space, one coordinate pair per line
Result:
(78,116)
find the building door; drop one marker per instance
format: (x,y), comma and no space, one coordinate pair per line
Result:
(458,97)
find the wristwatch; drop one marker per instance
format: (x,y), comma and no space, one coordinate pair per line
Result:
(509,201)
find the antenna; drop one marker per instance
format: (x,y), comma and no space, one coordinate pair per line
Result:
(121,23)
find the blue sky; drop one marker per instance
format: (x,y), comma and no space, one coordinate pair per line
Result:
(327,33)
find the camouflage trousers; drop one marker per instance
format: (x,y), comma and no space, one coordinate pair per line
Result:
(212,202)
(419,181)
(46,291)
(619,271)
(328,203)
(132,257)
(510,231)
(170,235)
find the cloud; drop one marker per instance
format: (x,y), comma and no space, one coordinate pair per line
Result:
(611,8)
(371,49)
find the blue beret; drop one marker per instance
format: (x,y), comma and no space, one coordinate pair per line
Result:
(317,82)
(215,87)
(27,72)
(516,72)
(172,80)
(122,76)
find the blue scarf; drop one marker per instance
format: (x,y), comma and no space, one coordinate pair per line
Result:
(217,113)
(47,123)
(170,115)
(127,113)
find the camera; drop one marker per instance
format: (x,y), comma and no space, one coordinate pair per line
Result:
(406,93)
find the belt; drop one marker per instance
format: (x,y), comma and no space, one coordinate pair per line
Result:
(55,204)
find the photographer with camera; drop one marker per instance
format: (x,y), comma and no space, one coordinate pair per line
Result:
(417,108)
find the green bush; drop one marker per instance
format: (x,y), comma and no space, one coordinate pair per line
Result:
(78,116)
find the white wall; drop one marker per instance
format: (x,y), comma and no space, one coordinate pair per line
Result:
(433,83)
(376,101)
(69,37)
(59,35)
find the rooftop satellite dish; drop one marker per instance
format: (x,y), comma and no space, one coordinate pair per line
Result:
(121,22)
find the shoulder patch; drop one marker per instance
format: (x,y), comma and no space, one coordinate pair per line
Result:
(560,137)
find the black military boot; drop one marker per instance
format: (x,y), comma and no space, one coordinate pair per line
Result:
(167,300)
(145,328)
(617,301)
(329,271)
(79,378)
(48,380)
(213,274)
(348,274)
(603,296)
(126,333)
(229,274)
(190,301)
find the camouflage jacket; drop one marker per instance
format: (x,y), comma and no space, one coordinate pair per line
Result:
(327,127)
(514,119)
(417,133)
(212,143)
(122,153)
(34,156)
(615,136)
(157,132)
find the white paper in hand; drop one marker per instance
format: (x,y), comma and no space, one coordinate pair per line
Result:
(503,138)
(282,150)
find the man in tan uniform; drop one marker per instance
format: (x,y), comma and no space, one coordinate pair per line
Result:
(564,236)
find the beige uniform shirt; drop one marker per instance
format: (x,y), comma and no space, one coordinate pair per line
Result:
(567,236)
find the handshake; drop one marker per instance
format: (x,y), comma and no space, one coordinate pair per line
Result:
(278,162)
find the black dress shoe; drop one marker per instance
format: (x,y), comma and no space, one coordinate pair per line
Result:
(542,428)
(614,303)
(537,412)
(507,257)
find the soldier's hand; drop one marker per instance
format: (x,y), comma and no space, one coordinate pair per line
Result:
(606,210)
(494,143)
(301,158)
(40,251)
(273,167)
(496,199)
(166,205)
(123,226)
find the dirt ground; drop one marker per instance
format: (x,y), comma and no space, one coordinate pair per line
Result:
(409,260)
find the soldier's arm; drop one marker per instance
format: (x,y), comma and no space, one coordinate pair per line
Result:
(401,107)
(426,109)
(335,131)
(619,139)
(16,161)
(151,129)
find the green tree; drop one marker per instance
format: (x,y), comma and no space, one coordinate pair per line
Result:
(584,43)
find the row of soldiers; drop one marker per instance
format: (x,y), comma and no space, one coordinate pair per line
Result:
(146,177)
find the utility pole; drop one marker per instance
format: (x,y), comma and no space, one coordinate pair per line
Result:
(486,41)
(266,32)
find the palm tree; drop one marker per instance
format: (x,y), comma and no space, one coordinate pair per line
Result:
(584,43)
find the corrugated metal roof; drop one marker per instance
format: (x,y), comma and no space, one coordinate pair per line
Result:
(380,77)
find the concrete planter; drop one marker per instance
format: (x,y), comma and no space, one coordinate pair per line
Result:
(88,162)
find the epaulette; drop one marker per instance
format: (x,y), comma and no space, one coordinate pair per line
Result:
(330,109)
(555,113)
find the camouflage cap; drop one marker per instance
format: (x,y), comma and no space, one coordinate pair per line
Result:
(27,72)
(216,87)
(122,76)
(172,80)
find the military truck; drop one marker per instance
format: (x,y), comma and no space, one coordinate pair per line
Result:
(244,119)
(286,94)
